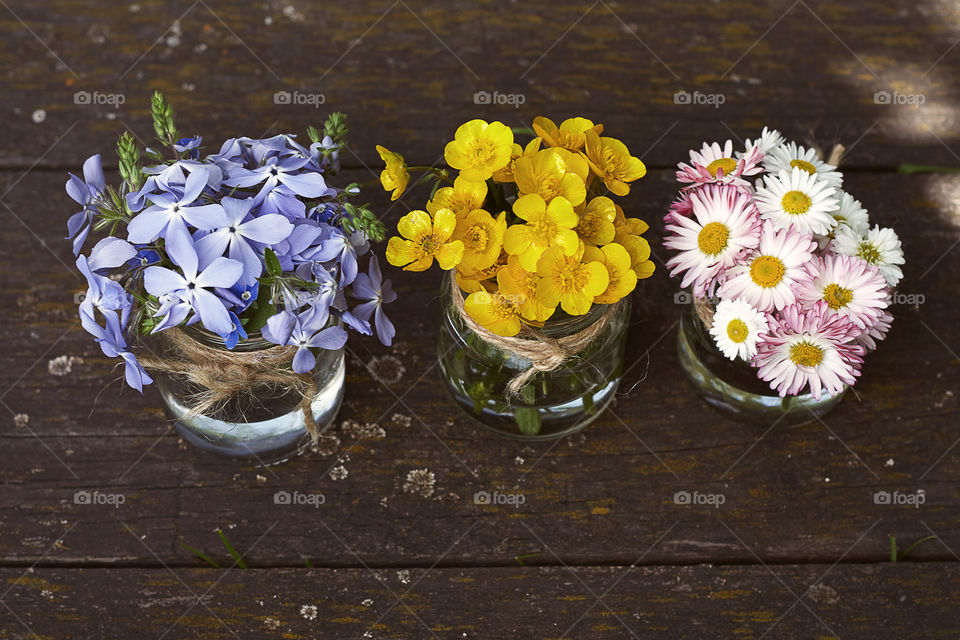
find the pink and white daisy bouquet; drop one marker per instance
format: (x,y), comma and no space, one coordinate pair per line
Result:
(796,280)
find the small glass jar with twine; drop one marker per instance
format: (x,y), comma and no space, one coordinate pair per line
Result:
(244,403)
(543,383)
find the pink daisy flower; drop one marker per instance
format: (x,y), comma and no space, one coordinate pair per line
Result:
(682,207)
(850,286)
(767,277)
(869,338)
(716,164)
(809,348)
(724,224)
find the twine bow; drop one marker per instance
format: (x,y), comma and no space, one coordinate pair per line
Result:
(223,375)
(544,352)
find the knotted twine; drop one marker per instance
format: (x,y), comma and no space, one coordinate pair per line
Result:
(224,375)
(544,352)
(703,307)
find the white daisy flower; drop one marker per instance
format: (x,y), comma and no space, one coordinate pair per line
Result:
(869,338)
(878,246)
(723,224)
(769,139)
(799,200)
(789,156)
(716,164)
(767,276)
(737,327)
(850,213)
(849,286)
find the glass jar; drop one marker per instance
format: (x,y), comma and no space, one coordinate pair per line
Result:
(732,386)
(265,426)
(552,404)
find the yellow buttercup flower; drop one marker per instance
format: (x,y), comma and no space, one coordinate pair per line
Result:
(551,173)
(395,176)
(516,281)
(506,174)
(496,312)
(639,250)
(570,133)
(630,227)
(479,149)
(546,226)
(471,280)
(423,240)
(612,162)
(623,279)
(462,198)
(596,224)
(482,238)
(567,281)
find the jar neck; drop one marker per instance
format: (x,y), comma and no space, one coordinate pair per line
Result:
(254,341)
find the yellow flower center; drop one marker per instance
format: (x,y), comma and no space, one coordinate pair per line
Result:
(795,202)
(766,271)
(612,164)
(482,152)
(803,165)
(727,164)
(505,307)
(836,296)
(569,275)
(430,244)
(543,231)
(804,354)
(475,238)
(713,238)
(549,186)
(737,330)
(588,225)
(869,253)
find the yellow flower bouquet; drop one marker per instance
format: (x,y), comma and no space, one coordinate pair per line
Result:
(541,261)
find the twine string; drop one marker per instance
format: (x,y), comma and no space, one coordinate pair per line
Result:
(224,375)
(544,352)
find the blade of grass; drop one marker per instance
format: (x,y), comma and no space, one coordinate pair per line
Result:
(910,548)
(238,559)
(201,555)
(926,168)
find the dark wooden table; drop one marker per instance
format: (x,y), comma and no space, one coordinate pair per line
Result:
(598,549)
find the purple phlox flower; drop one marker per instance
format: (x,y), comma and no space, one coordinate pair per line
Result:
(240,296)
(113,344)
(137,201)
(243,237)
(308,184)
(375,292)
(233,156)
(285,328)
(174,175)
(102,292)
(192,284)
(300,242)
(325,212)
(281,199)
(189,146)
(326,154)
(171,212)
(355,323)
(85,193)
(279,146)
(173,310)
(335,245)
(144,258)
(231,339)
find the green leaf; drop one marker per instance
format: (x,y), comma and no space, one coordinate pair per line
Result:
(237,558)
(588,406)
(201,555)
(528,420)
(273,263)
(926,168)
(260,311)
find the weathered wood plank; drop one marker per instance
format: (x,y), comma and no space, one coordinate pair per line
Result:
(407,72)
(604,496)
(788,601)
